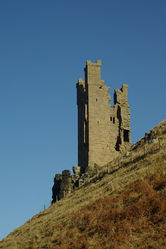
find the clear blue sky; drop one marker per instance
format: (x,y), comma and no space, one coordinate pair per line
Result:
(44,46)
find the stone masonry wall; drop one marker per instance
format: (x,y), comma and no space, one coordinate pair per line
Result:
(103,130)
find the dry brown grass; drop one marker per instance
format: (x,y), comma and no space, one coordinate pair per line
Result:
(123,210)
(124,221)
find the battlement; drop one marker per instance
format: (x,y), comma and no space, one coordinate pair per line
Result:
(90,63)
(93,72)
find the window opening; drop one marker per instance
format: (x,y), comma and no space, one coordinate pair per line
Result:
(126,135)
(112,119)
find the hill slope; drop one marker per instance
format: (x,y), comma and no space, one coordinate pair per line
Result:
(123,209)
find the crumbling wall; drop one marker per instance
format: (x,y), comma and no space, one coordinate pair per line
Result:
(56,188)
(63,185)
(66,183)
(123,116)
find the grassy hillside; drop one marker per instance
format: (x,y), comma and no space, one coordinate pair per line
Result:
(123,209)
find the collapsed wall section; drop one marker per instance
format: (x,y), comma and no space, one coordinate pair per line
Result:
(66,183)
(123,116)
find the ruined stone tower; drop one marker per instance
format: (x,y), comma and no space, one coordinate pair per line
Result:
(103,130)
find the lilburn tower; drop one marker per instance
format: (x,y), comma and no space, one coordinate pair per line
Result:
(103,130)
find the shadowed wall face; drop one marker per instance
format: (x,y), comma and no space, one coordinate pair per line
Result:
(82,102)
(103,130)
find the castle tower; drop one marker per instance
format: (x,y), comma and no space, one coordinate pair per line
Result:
(103,130)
